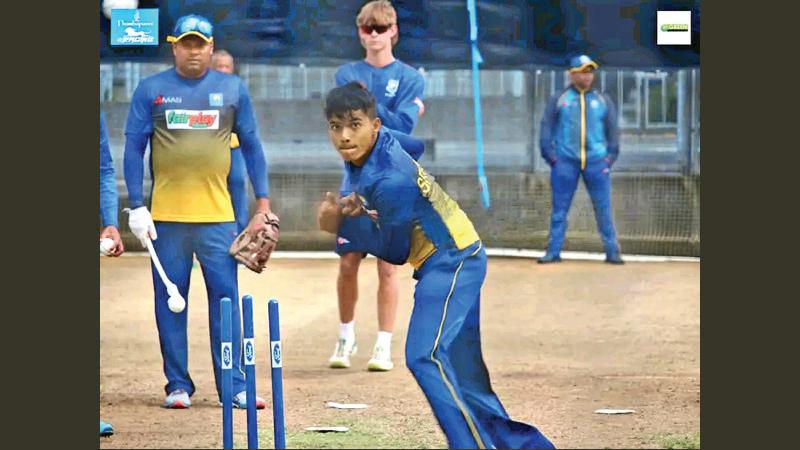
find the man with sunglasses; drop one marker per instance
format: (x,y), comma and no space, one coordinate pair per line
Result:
(188,113)
(580,139)
(398,89)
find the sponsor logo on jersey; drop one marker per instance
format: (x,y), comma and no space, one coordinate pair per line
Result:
(594,103)
(391,87)
(215,99)
(187,119)
(160,100)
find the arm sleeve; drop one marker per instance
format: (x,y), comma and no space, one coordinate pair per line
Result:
(546,131)
(342,77)
(612,130)
(406,113)
(250,143)
(109,198)
(138,128)
(412,146)
(390,238)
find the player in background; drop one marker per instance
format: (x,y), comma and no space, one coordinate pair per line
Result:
(109,210)
(222,61)
(398,89)
(580,139)
(413,220)
(188,113)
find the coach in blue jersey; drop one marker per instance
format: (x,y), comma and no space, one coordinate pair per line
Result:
(398,89)
(413,220)
(188,113)
(579,138)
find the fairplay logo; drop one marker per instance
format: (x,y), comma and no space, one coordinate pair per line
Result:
(674,28)
(187,119)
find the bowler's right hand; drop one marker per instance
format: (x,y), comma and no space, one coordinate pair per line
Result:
(329,214)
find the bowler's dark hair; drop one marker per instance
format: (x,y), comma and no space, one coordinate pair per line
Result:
(341,101)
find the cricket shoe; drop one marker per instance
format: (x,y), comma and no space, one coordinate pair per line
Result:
(106,429)
(240,401)
(177,399)
(549,259)
(345,348)
(381,360)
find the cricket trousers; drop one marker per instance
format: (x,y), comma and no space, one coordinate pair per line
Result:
(443,352)
(564,176)
(176,244)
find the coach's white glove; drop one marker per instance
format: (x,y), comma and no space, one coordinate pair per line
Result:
(141,224)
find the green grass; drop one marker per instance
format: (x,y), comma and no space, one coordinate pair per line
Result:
(672,441)
(363,433)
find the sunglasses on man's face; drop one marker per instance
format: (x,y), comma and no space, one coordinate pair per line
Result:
(367,29)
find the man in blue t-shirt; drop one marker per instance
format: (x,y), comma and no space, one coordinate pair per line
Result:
(412,219)
(398,89)
(188,114)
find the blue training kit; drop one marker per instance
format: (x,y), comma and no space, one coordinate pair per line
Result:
(237,186)
(189,124)
(413,220)
(398,90)
(580,138)
(109,198)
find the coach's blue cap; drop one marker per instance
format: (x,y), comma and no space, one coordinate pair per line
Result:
(192,24)
(581,63)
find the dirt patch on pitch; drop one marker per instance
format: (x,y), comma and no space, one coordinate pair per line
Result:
(560,342)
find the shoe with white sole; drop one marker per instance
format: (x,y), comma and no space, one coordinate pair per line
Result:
(240,401)
(381,360)
(345,348)
(177,399)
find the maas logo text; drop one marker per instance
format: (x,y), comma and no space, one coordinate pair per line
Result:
(160,100)
(187,119)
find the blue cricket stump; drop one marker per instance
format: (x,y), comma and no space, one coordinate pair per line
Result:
(250,371)
(276,357)
(227,374)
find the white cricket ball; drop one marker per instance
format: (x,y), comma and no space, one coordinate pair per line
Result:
(106,245)
(176,304)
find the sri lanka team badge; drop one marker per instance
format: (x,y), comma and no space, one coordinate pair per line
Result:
(215,99)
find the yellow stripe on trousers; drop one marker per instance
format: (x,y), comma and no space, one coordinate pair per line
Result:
(583,131)
(467,417)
